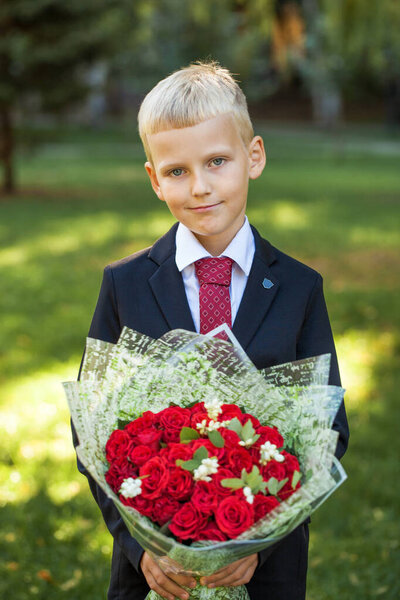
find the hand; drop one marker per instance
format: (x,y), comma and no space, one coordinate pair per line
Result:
(168,586)
(237,573)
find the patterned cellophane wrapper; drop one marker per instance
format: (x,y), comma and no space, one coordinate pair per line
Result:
(121,381)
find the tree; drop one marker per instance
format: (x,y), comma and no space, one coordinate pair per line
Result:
(46,47)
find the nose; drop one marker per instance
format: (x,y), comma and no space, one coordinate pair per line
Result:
(200,184)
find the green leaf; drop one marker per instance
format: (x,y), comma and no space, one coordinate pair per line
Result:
(309,474)
(188,434)
(295,479)
(254,478)
(233,483)
(200,454)
(282,483)
(216,439)
(272,485)
(190,465)
(235,425)
(248,431)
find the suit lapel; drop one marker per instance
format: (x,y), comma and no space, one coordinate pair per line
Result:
(167,284)
(258,294)
(169,291)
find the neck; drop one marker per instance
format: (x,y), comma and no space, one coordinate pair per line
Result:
(215,244)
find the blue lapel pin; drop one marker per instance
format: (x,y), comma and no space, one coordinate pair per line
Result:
(267,283)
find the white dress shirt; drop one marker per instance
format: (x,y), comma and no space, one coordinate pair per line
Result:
(188,250)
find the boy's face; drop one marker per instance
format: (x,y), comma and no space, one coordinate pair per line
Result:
(202,173)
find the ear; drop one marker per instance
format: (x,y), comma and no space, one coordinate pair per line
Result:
(257,158)
(151,172)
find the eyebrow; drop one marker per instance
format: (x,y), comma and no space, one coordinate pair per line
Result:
(215,153)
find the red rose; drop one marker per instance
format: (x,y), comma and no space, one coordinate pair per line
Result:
(268,434)
(117,445)
(174,451)
(187,522)
(180,484)
(140,454)
(223,473)
(234,515)
(273,469)
(211,532)
(263,505)
(231,438)
(119,470)
(290,464)
(239,458)
(164,509)
(157,478)
(205,497)
(229,411)
(144,422)
(141,504)
(198,416)
(196,407)
(172,419)
(150,437)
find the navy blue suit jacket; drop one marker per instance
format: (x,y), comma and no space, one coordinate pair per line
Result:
(286,322)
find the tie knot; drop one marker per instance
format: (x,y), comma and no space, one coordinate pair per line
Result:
(214,270)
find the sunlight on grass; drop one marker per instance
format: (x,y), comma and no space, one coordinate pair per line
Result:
(282,214)
(34,428)
(358,352)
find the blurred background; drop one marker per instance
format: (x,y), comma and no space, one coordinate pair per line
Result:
(323,84)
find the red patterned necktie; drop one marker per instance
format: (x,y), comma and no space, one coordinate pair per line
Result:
(214,275)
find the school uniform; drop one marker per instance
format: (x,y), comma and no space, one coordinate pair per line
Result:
(278,315)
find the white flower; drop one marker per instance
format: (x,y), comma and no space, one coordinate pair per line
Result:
(212,426)
(131,487)
(246,443)
(207,467)
(213,408)
(248,494)
(268,452)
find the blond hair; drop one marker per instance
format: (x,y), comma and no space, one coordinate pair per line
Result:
(190,96)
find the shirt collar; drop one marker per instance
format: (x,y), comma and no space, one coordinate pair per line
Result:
(241,249)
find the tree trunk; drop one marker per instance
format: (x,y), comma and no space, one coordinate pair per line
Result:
(6,149)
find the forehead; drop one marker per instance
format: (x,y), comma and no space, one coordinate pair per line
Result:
(216,135)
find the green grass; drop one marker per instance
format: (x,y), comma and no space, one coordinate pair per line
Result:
(85,201)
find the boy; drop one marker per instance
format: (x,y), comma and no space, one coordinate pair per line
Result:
(201,152)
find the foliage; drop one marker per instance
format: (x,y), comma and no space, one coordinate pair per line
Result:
(46,47)
(332,203)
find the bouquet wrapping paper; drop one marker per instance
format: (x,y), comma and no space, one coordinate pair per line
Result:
(120,381)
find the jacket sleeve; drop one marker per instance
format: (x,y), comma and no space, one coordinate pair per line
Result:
(316,338)
(106,326)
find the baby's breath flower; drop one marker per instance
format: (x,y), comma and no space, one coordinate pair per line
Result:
(268,452)
(213,408)
(131,487)
(248,494)
(212,426)
(207,467)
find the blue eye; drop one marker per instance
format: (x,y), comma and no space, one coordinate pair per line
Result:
(176,172)
(217,161)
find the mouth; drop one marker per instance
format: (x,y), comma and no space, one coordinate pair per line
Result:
(205,207)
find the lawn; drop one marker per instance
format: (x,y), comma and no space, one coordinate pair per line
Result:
(333,202)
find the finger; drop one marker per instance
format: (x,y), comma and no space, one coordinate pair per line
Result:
(223,573)
(183,580)
(164,586)
(232,575)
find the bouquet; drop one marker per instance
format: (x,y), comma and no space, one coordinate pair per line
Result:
(142,395)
